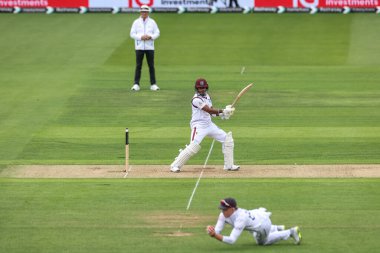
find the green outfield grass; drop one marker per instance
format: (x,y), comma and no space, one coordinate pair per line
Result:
(65,83)
(65,99)
(335,215)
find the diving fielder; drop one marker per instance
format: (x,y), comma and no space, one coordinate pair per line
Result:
(256,222)
(202,126)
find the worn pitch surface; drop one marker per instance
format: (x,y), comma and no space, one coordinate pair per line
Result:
(192,171)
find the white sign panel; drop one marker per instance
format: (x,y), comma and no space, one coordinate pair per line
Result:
(108,3)
(171,3)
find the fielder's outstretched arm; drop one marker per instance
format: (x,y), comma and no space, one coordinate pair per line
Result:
(231,239)
(212,233)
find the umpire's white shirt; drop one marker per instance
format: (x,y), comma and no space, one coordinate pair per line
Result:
(140,28)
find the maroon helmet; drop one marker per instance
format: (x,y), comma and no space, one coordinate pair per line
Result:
(201,83)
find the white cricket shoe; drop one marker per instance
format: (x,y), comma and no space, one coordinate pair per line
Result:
(296,234)
(233,168)
(175,169)
(154,87)
(135,87)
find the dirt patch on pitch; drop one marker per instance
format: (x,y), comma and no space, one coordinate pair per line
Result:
(193,171)
(174,234)
(175,224)
(176,220)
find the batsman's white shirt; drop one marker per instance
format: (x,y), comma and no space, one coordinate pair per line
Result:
(140,28)
(201,124)
(255,221)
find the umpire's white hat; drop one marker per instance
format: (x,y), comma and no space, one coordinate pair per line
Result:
(144,8)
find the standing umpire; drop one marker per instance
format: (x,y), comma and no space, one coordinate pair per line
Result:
(144,31)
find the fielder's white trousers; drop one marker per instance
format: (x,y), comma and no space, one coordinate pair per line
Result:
(198,133)
(267,233)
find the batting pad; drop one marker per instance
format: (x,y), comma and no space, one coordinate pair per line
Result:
(186,154)
(228,151)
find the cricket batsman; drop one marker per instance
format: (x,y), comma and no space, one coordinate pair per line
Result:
(202,126)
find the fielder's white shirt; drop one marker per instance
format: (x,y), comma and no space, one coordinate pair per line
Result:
(200,118)
(140,28)
(240,220)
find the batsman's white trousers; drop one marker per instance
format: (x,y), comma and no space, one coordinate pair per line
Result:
(198,133)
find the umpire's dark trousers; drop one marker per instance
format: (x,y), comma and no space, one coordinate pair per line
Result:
(139,60)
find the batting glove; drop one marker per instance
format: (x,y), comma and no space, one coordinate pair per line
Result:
(228,111)
(224,116)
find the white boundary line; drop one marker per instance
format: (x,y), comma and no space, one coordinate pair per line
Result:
(200,176)
(209,153)
(195,188)
(129,169)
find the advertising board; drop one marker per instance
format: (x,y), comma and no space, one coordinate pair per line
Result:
(316,3)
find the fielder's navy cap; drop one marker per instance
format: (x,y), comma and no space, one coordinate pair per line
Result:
(227,203)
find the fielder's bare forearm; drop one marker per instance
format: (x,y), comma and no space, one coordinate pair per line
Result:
(231,239)
(219,237)
(211,231)
(225,239)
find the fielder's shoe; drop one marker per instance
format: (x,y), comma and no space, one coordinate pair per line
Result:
(135,87)
(233,168)
(175,169)
(154,87)
(296,234)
